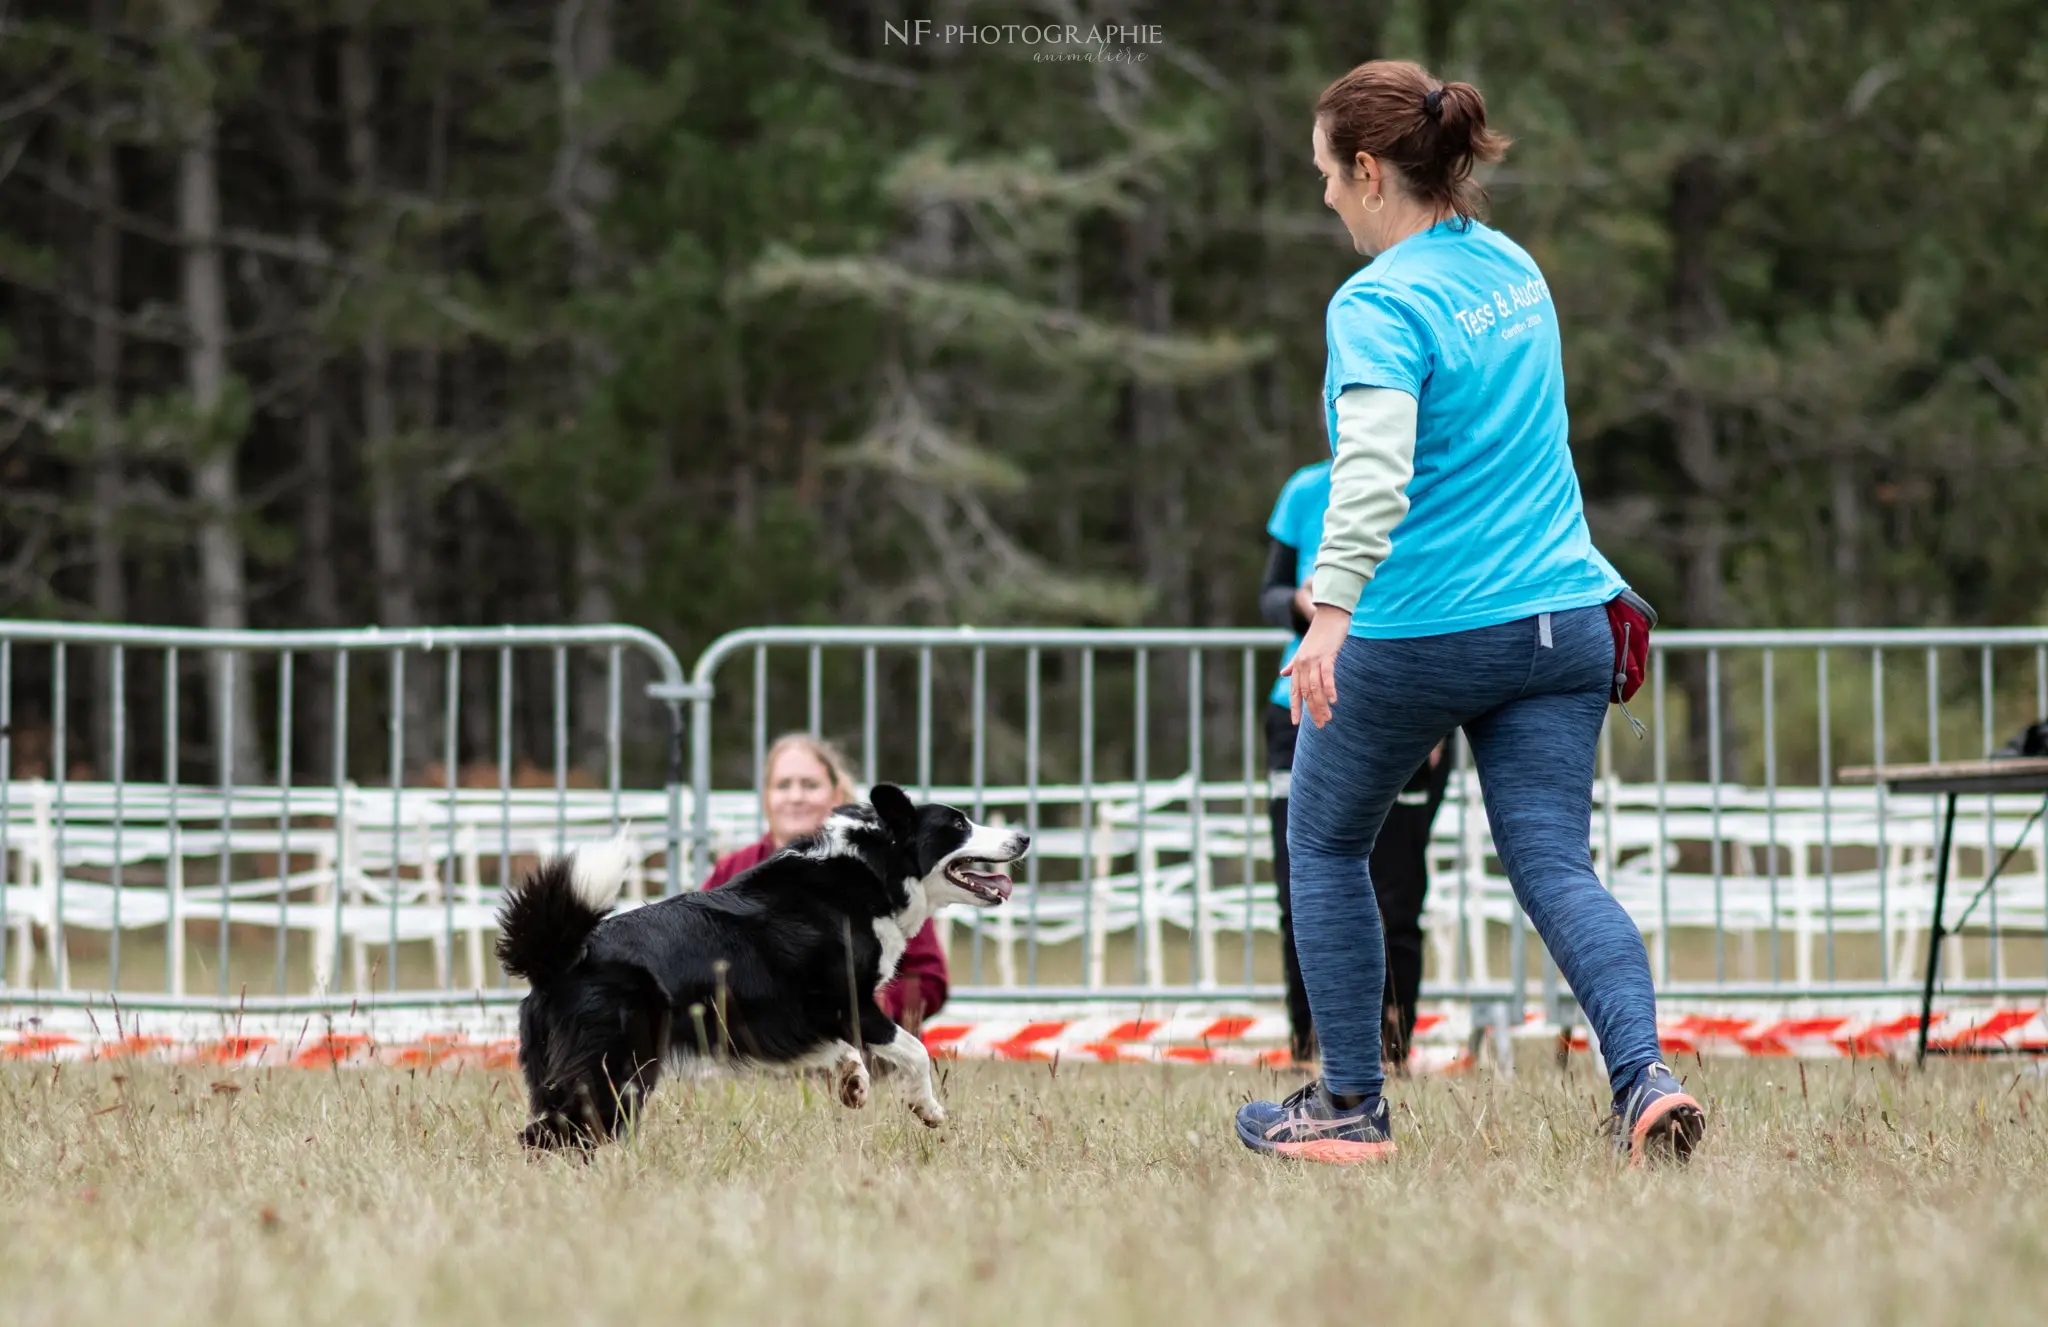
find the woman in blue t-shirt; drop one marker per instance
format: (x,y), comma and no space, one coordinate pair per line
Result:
(1456,586)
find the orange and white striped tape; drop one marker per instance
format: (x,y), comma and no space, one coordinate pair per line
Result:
(1241,1035)
(255,1049)
(1440,1038)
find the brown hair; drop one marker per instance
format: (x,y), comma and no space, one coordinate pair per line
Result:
(1432,133)
(837,767)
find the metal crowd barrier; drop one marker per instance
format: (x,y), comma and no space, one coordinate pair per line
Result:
(1753,874)
(299,867)
(1134,756)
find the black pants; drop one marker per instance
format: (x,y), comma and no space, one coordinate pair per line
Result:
(1400,880)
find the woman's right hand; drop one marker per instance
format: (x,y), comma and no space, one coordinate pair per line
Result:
(1314,666)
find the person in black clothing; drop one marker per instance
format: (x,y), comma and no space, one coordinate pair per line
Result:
(1400,857)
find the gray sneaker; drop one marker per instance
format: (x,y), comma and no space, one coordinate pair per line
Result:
(1310,1127)
(1657,1118)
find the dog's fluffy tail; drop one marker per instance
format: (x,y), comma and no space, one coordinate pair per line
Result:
(544,923)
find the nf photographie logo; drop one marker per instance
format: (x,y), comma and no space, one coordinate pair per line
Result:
(1056,41)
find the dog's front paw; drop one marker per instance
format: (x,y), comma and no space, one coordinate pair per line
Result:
(850,1080)
(930,1111)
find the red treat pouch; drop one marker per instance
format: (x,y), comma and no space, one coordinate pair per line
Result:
(1630,618)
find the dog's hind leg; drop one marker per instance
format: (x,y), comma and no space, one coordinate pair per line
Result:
(906,1055)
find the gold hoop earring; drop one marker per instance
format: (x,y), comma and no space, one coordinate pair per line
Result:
(1374,202)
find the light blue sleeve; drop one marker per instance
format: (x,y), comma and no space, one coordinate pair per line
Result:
(1376,340)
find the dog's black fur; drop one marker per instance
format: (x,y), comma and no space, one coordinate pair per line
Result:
(780,966)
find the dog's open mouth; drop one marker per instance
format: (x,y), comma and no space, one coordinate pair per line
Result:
(987,881)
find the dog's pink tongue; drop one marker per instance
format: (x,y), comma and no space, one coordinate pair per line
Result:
(993,881)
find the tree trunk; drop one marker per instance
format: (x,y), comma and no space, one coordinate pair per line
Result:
(427,412)
(315,731)
(1698,198)
(426,422)
(109,579)
(1846,523)
(1159,510)
(1272,179)
(391,511)
(313,675)
(1159,507)
(478,685)
(1439,23)
(215,478)
(582,185)
(389,532)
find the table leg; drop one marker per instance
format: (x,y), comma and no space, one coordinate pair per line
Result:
(1948,834)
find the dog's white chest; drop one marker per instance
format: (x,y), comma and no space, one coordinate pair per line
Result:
(893,942)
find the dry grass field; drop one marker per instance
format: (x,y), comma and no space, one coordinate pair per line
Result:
(1860,1193)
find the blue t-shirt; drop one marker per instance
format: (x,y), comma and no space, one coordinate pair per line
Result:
(1460,318)
(1297,521)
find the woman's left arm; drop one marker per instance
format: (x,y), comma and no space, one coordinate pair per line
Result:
(1369,475)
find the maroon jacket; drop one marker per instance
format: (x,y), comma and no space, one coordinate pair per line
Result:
(921,975)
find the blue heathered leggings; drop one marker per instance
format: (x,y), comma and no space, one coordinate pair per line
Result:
(1531,697)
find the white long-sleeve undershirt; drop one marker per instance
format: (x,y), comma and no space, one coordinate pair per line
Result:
(1375,459)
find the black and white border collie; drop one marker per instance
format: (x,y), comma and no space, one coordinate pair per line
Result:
(778,967)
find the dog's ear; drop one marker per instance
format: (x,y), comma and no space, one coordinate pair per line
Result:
(892,804)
